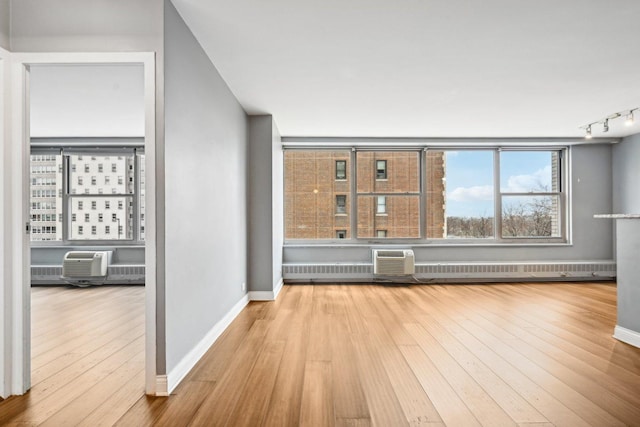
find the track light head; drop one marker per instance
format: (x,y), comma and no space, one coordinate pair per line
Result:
(605,125)
(629,120)
(588,134)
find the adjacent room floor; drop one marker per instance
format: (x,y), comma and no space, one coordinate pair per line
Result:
(353,355)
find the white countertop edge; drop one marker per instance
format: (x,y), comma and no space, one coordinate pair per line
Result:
(617,216)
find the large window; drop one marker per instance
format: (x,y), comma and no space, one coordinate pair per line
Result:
(469,200)
(431,195)
(530,193)
(85,201)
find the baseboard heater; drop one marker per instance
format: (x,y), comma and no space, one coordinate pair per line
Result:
(456,271)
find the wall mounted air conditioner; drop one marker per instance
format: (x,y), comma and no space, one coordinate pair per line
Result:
(85,267)
(393,262)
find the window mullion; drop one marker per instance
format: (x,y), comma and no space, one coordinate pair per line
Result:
(497,195)
(353,212)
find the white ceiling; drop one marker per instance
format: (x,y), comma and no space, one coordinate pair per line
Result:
(426,68)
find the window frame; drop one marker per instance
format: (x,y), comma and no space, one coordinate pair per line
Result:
(133,147)
(344,170)
(564,196)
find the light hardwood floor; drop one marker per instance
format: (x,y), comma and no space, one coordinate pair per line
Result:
(87,357)
(361,355)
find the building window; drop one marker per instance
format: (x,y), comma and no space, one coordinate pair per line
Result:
(100,217)
(381,169)
(381,205)
(80,230)
(94,230)
(341,204)
(107,229)
(94,204)
(341,234)
(341,169)
(87,217)
(382,234)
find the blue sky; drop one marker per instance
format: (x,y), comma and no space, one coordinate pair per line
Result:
(469,175)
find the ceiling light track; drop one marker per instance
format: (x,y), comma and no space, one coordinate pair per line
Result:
(627,114)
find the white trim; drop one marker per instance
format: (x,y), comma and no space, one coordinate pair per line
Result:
(627,336)
(161,385)
(187,363)
(278,288)
(5,229)
(18,215)
(261,296)
(267,295)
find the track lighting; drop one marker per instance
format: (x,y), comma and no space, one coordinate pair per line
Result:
(629,120)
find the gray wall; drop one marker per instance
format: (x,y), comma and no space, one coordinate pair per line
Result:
(206,192)
(626,199)
(592,238)
(626,175)
(5,27)
(265,204)
(86,26)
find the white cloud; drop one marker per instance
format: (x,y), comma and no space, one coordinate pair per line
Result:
(471,194)
(538,180)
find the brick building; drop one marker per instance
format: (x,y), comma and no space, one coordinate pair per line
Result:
(318,194)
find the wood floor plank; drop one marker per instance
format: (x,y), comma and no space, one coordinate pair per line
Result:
(451,408)
(258,390)
(286,400)
(545,402)
(179,409)
(519,410)
(317,401)
(384,407)
(215,408)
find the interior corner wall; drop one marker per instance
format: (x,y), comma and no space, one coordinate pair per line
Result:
(277,185)
(5,24)
(626,175)
(265,204)
(206,193)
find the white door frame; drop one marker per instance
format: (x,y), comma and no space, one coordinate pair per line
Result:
(19,208)
(5,229)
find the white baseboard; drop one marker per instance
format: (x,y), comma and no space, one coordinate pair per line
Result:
(627,336)
(278,288)
(267,295)
(187,363)
(162,388)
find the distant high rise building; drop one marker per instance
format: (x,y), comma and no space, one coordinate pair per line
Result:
(46,197)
